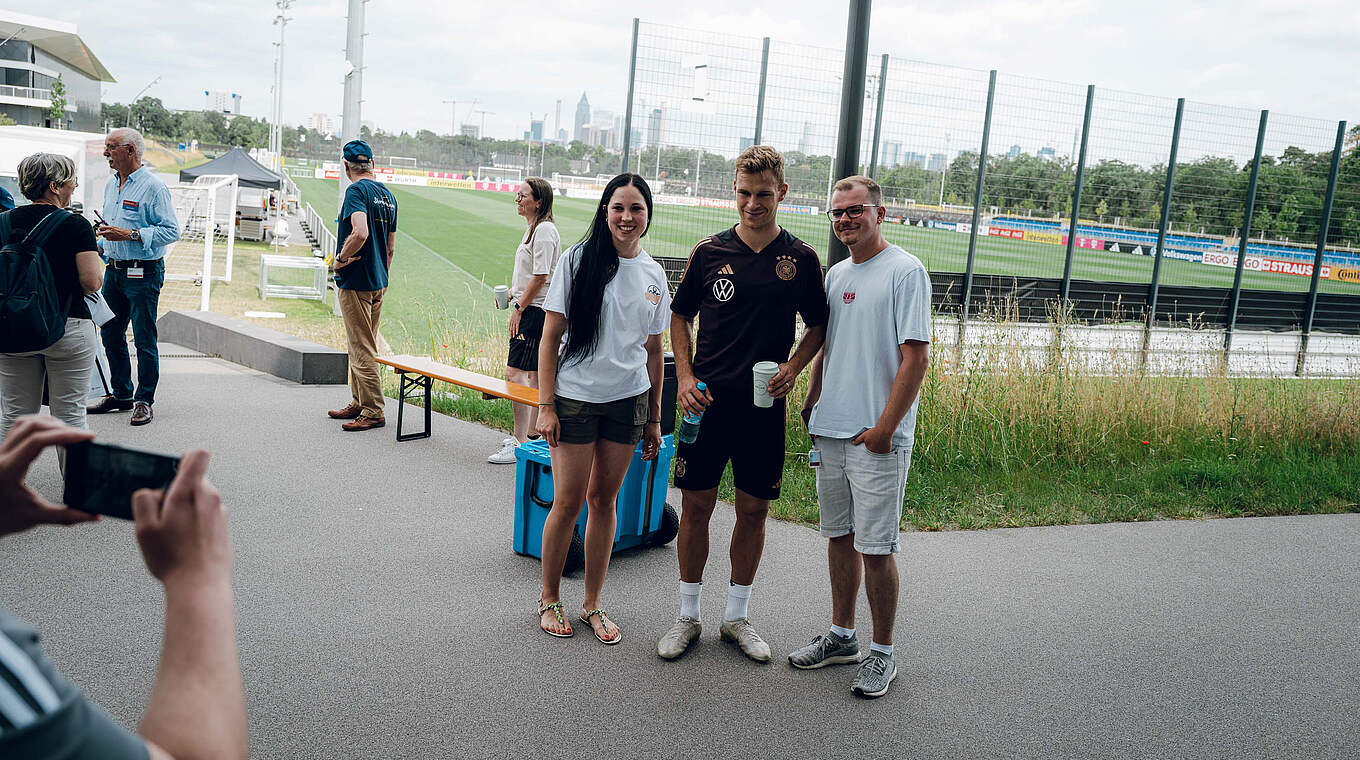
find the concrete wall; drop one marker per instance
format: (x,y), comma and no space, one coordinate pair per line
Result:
(279,354)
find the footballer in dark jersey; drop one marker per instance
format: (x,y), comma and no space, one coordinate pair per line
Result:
(746,285)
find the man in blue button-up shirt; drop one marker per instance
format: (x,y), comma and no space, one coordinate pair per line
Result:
(138,225)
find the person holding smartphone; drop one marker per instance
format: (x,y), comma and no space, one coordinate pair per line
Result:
(62,368)
(143,225)
(197,707)
(599,388)
(535,259)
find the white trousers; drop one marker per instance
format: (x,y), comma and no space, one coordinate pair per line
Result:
(66,365)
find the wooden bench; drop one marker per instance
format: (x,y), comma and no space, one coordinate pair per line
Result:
(425,371)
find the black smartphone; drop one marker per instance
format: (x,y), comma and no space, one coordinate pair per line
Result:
(101,477)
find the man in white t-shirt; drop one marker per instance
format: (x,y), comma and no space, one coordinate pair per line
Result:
(861,412)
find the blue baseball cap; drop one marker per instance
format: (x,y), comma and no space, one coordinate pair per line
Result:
(358,150)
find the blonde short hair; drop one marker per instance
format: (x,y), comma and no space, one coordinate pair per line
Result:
(40,170)
(859,180)
(761,158)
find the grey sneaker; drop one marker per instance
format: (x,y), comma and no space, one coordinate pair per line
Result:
(874,675)
(674,642)
(827,649)
(744,635)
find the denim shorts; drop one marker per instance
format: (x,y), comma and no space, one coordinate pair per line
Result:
(861,492)
(587,421)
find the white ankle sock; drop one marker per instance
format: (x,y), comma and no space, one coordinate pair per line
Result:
(845,633)
(689,599)
(886,649)
(738,597)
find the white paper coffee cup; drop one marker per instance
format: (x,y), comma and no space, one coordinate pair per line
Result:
(762,373)
(502,296)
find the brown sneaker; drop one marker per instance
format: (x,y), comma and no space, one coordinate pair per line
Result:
(363,423)
(347,413)
(141,413)
(108,404)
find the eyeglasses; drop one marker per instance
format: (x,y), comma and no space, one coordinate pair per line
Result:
(521,196)
(854,212)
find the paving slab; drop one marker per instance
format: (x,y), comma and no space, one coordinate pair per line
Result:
(382,614)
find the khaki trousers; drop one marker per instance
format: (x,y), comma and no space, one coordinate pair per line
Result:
(361,309)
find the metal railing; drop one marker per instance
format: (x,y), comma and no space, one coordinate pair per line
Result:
(318,229)
(34,93)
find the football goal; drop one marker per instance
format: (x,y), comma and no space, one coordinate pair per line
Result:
(206,211)
(500,174)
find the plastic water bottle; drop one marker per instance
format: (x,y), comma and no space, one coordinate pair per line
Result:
(689,423)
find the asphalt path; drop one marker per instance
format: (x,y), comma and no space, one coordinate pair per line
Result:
(382,614)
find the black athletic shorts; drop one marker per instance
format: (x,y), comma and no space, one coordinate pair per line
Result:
(524,347)
(735,429)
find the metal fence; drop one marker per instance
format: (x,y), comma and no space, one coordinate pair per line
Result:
(1189,213)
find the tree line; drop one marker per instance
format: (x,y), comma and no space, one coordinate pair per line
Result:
(1209,193)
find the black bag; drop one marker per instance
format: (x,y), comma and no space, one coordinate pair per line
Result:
(32,314)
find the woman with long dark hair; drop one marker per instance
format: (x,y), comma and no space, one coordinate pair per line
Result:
(535,259)
(599,389)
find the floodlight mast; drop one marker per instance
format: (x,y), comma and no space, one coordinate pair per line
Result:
(350,117)
(276,127)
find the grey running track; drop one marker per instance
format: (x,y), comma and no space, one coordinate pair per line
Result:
(382,614)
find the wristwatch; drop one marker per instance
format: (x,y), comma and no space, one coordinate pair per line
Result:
(136,236)
(516,305)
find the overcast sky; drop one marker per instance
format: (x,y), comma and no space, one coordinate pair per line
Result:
(515,57)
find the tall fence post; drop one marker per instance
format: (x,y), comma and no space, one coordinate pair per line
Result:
(1310,307)
(760,98)
(628,109)
(852,108)
(977,209)
(1076,204)
(350,118)
(878,115)
(1161,233)
(1236,296)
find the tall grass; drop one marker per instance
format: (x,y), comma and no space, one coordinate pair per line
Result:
(1009,433)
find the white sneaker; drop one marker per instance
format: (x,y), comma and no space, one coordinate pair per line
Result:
(506,455)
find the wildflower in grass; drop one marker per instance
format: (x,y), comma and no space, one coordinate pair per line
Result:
(1145,443)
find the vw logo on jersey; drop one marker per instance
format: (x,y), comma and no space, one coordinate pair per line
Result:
(723,289)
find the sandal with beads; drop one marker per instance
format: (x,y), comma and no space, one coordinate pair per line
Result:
(556,609)
(586,615)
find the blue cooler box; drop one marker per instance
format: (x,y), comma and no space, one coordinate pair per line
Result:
(641,504)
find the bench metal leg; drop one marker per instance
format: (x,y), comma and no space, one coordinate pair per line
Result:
(409,384)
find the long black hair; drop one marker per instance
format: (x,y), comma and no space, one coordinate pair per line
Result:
(596,267)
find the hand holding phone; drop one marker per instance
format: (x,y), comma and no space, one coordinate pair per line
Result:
(183,530)
(101,477)
(21,507)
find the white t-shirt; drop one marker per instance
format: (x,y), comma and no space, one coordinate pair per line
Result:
(637,304)
(538,256)
(875,308)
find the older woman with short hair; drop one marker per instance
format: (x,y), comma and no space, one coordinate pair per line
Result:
(48,180)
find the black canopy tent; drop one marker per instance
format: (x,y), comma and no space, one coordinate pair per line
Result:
(236,161)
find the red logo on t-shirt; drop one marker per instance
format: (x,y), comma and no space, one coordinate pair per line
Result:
(848,296)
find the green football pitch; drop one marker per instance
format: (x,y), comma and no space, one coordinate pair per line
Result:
(475,234)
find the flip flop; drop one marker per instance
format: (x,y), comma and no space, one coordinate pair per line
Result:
(586,615)
(556,608)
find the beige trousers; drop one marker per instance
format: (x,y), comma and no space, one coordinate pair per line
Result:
(361,309)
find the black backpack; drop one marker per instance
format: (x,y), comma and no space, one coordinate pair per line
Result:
(32,314)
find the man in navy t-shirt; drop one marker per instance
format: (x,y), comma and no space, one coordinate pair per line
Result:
(366,242)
